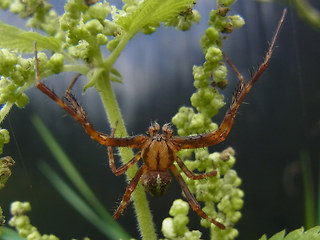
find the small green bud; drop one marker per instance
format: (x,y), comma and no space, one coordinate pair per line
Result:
(235,216)
(20,208)
(56,63)
(66,23)
(180,224)
(110,28)
(193,235)
(237,203)
(42,57)
(16,7)
(80,32)
(102,39)
(7,62)
(212,34)
(100,11)
(237,21)
(113,44)
(148,30)
(196,16)
(94,26)
(4,4)
(22,100)
(4,136)
(220,73)
(225,2)
(167,228)
(179,207)
(214,55)
(17,77)
(184,25)
(197,121)
(80,51)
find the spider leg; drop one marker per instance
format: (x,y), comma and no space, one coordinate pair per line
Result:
(130,188)
(191,199)
(118,171)
(77,112)
(73,82)
(212,138)
(192,175)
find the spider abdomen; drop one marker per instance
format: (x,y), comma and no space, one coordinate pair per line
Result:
(156,183)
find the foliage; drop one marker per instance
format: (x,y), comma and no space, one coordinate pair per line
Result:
(311,234)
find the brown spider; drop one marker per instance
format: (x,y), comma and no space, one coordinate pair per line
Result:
(158,151)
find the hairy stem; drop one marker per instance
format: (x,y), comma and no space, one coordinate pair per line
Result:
(139,197)
(117,51)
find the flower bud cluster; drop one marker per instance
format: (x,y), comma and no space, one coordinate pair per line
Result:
(184,21)
(87,27)
(22,222)
(207,100)
(222,197)
(39,13)
(175,227)
(15,72)
(221,194)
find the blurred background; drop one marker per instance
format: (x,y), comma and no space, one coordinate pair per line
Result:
(279,122)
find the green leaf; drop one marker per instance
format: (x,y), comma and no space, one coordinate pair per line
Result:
(10,234)
(298,234)
(153,12)
(14,38)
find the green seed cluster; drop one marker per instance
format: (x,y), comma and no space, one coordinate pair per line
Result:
(184,21)
(221,195)
(22,222)
(14,71)
(207,100)
(39,13)
(86,28)
(175,227)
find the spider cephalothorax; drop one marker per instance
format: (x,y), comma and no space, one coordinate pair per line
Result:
(157,155)
(158,151)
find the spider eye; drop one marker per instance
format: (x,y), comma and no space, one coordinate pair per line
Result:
(156,183)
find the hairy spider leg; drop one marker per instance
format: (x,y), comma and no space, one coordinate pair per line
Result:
(72,83)
(212,138)
(118,171)
(77,112)
(129,190)
(191,199)
(191,174)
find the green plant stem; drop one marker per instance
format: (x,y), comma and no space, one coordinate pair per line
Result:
(309,196)
(117,51)
(139,197)
(80,68)
(5,109)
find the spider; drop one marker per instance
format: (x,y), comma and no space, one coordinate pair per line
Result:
(158,150)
